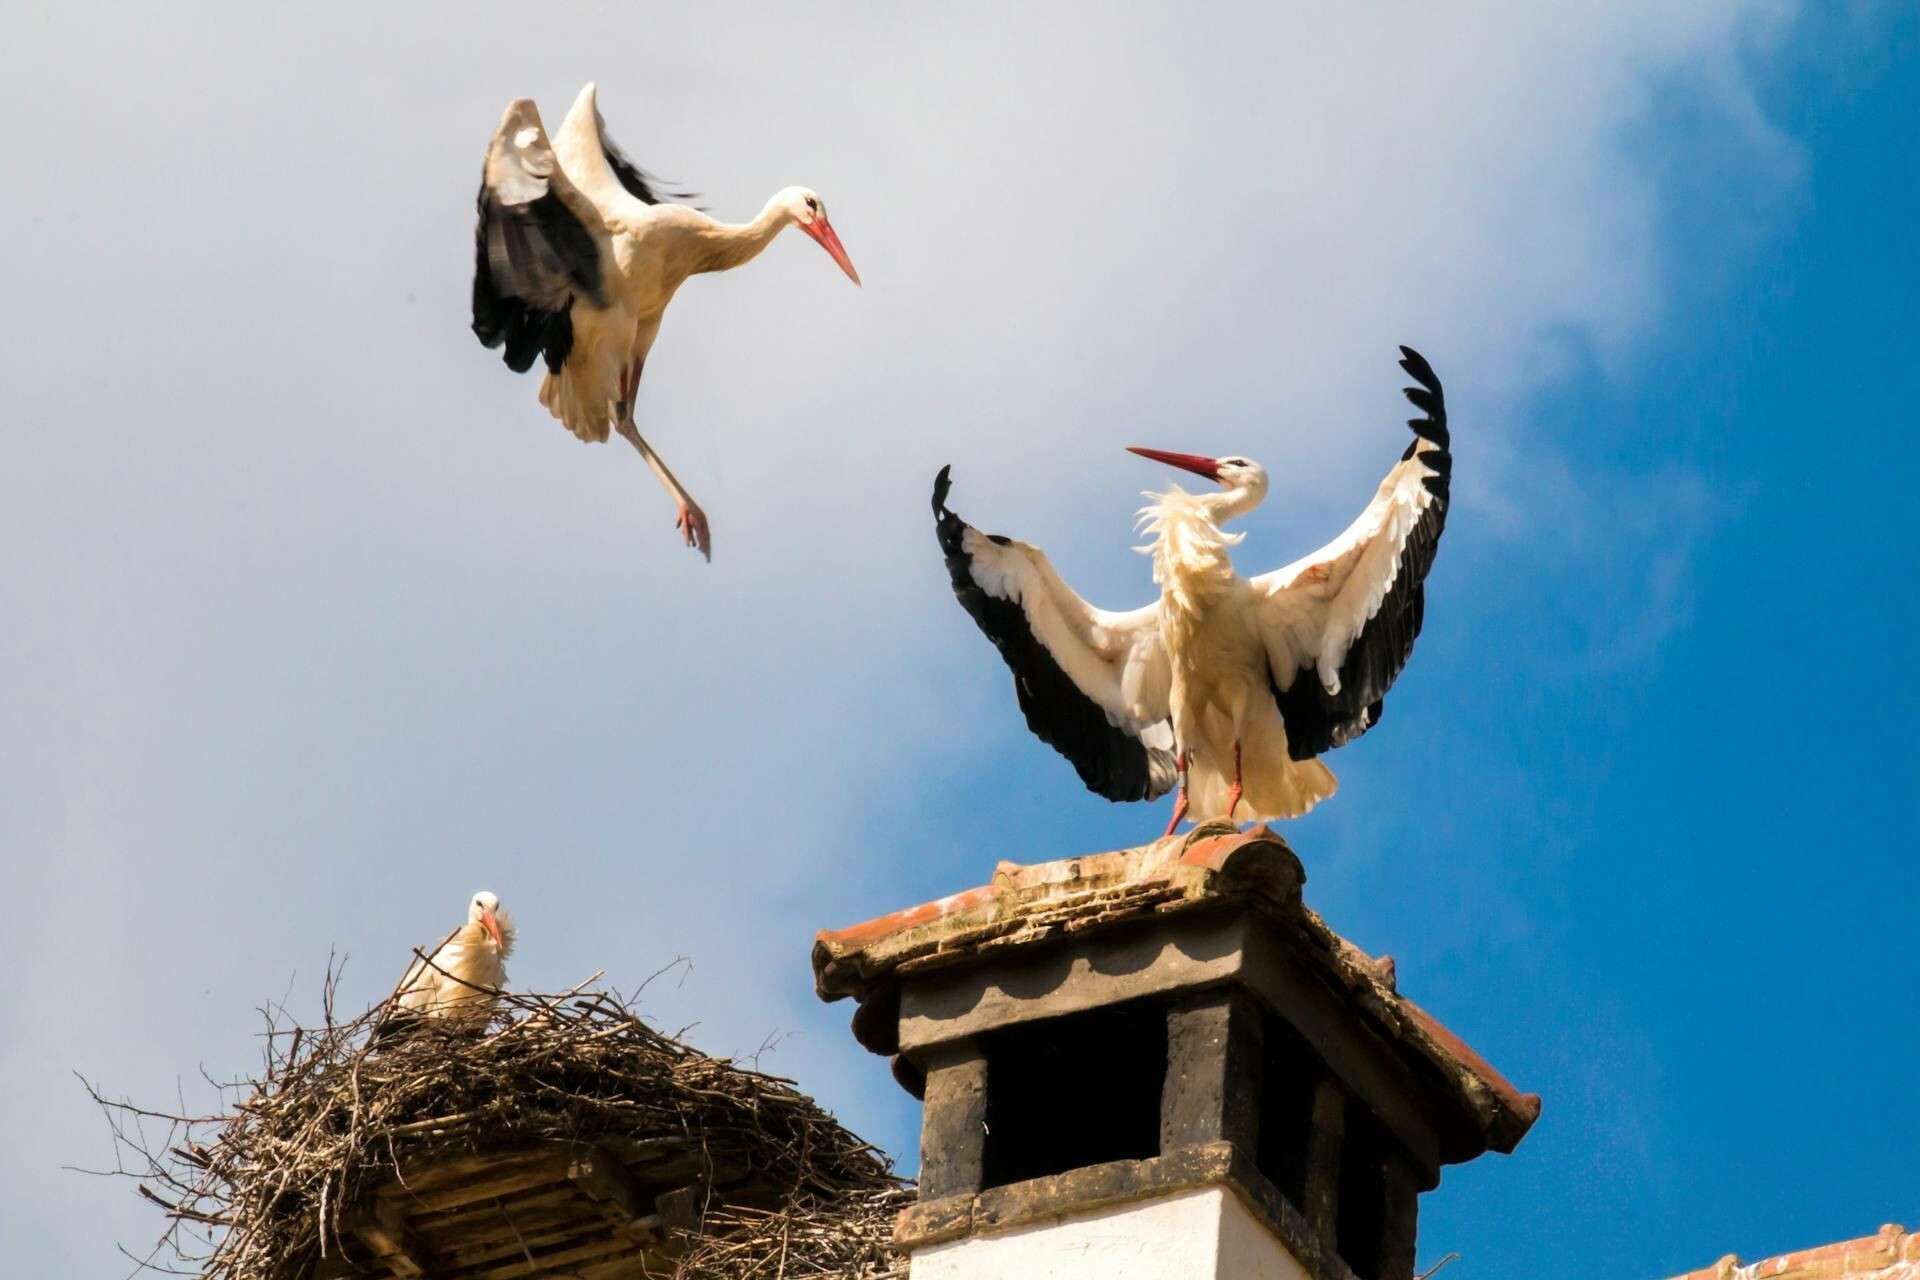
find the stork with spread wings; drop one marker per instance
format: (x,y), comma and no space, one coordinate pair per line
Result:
(1228,687)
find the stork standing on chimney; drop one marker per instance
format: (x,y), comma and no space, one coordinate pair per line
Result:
(1228,687)
(576,256)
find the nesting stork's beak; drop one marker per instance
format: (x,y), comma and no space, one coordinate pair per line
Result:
(1199,465)
(492,926)
(822,230)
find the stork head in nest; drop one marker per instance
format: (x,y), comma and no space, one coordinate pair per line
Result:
(485,910)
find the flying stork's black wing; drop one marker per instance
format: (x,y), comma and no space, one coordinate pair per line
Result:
(532,252)
(1092,684)
(584,143)
(640,184)
(1339,624)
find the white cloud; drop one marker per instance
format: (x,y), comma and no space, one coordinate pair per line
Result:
(315,624)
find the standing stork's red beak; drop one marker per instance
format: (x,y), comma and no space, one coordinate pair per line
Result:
(492,926)
(1199,465)
(822,230)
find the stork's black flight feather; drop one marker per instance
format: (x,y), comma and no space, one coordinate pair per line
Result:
(531,256)
(1112,761)
(1318,721)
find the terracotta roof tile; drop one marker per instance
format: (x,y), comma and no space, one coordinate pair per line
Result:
(1888,1254)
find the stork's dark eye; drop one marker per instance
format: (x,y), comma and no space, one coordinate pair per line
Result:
(812,203)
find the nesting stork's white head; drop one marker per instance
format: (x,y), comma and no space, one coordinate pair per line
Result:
(485,910)
(805,209)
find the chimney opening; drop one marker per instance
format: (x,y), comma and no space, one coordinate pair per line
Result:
(1068,1092)
(1362,1218)
(1292,1071)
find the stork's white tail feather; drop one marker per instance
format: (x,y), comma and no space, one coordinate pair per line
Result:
(583,394)
(577,402)
(1273,785)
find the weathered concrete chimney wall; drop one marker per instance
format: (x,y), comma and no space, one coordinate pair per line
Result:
(1205,1234)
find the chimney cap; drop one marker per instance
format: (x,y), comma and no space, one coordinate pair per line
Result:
(1077,898)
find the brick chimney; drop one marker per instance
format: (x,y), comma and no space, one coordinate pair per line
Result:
(1158,1063)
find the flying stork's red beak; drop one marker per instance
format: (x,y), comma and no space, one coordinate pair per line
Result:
(822,230)
(492,926)
(1200,466)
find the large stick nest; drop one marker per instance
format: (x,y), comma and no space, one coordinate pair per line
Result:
(264,1189)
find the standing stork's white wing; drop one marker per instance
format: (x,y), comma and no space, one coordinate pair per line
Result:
(1339,624)
(1093,684)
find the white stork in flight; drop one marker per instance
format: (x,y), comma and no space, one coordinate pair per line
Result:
(1229,687)
(461,977)
(576,256)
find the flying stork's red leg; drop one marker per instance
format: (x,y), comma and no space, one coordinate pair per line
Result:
(1233,792)
(689,518)
(1180,801)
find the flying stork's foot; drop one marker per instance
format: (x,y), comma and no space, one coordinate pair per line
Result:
(692,524)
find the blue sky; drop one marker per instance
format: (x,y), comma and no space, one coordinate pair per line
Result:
(315,624)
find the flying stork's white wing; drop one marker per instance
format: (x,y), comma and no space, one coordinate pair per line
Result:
(1340,623)
(597,166)
(1093,685)
(537,246)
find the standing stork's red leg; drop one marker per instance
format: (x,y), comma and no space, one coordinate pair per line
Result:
(689,518)
(1180,801)
(1234,792)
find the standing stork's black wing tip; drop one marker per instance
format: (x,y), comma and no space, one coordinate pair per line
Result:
(1417,367)
(947,527)
(1428,397)
(1318,722)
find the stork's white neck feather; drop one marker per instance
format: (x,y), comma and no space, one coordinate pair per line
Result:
(1189,549)
(726,245)
(505,922)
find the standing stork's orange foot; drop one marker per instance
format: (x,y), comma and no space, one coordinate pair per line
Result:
(1179,813)
(1180,800)
(1234,792)
(692,524)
